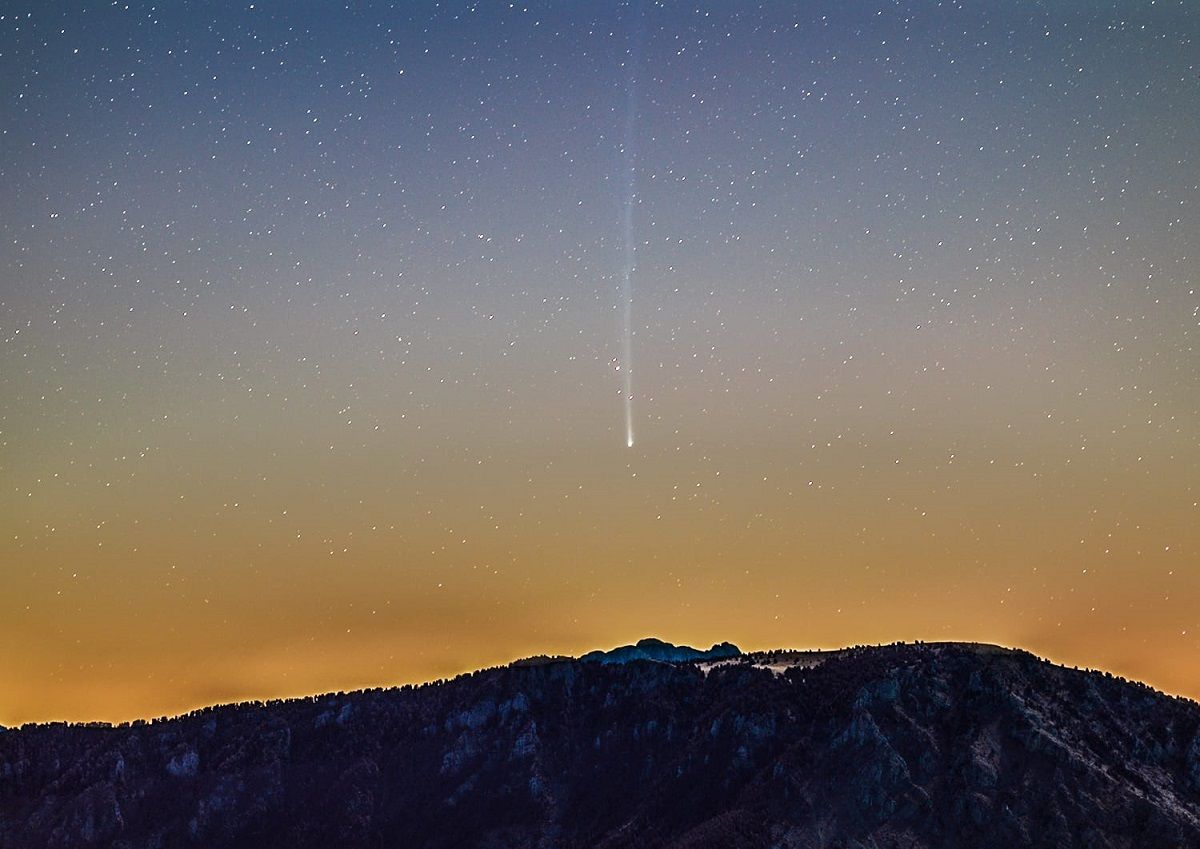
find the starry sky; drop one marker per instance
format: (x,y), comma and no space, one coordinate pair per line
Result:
(313,349)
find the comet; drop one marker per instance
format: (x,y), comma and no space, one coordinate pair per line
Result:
(629,166)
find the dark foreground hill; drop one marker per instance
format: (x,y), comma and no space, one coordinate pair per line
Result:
(936,745)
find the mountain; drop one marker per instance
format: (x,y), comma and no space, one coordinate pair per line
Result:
(892,747)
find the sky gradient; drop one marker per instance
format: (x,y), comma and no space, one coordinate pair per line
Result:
(312,341)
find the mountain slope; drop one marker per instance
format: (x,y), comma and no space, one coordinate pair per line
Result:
(931,745)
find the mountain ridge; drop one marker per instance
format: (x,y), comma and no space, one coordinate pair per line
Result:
(756,656)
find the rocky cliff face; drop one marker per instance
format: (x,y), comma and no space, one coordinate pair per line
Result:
(900,746)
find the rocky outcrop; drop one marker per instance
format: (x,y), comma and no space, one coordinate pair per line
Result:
(652,649)
(900,746)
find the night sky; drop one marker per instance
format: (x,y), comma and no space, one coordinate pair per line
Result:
(314,354)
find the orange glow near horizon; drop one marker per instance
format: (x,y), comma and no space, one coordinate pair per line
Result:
(247,584)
